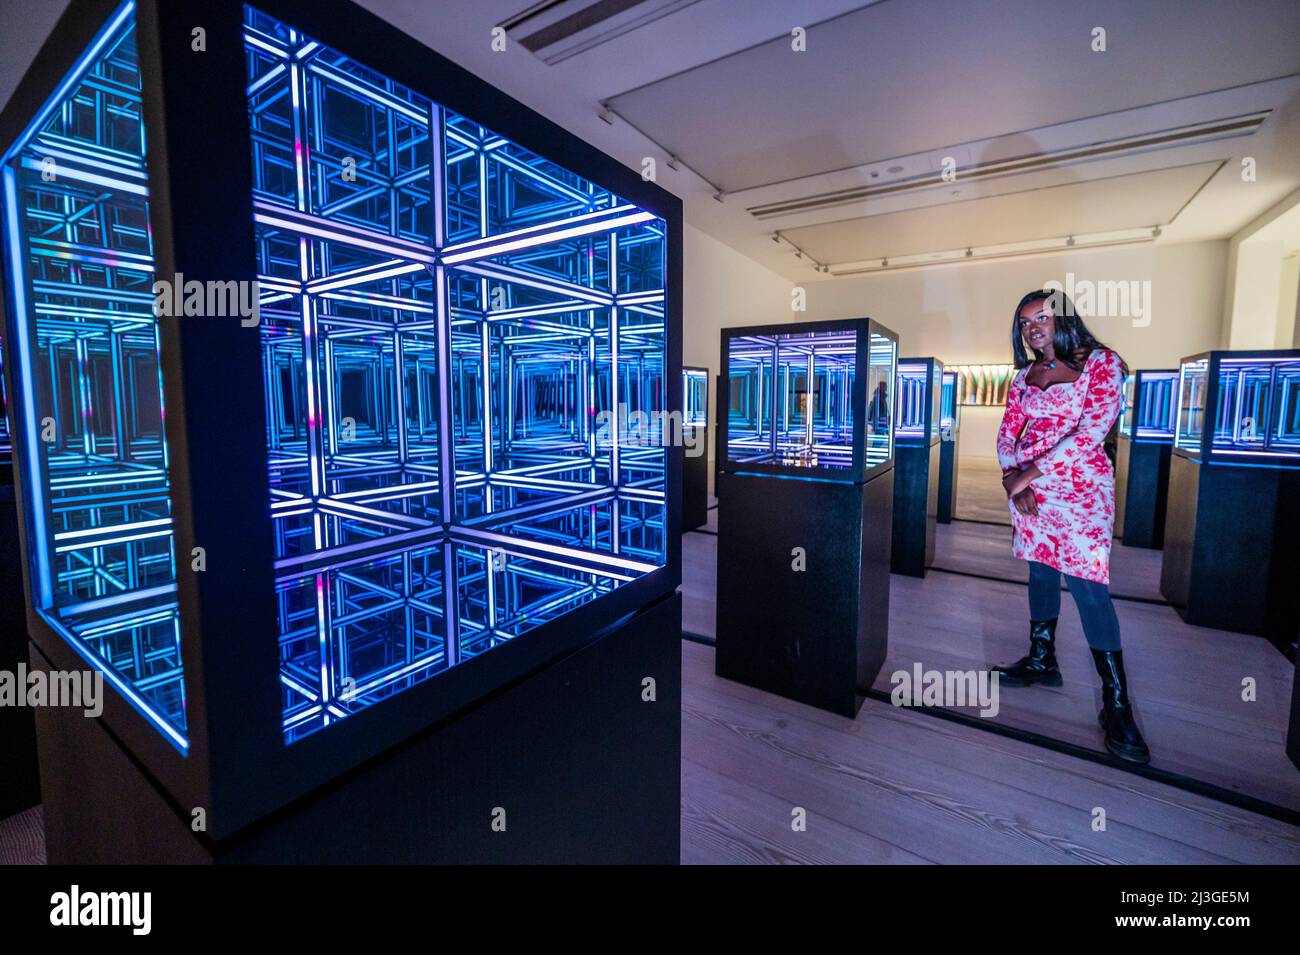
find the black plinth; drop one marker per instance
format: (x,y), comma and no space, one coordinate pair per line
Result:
(695,482)
(1141,491)
(948,478)
(916,505)
(585,769)
(19,786)
(1230,559)
(816,635)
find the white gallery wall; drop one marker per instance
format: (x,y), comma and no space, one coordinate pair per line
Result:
(722,287)
(962,314)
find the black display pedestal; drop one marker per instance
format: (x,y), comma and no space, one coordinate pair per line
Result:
(1230,559)
(816,635)
(695,481)
(1141,491)
(947,477)
(19,786)
(916,506)
(585,769)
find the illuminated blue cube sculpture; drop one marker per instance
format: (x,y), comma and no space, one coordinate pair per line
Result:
(1230,560)
(917,436)
(1242,407)
(812,399)
(1148,413)
(1142,456)
(950,433)
(695,466)
(336,382)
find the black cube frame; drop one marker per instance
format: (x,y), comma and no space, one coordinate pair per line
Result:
(238,767)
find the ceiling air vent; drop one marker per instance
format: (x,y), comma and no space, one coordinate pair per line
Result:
(555,30)
(1209,131)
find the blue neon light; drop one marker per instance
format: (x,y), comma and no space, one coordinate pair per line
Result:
(442,328)
(790,398)
(1257,410)
(80,268)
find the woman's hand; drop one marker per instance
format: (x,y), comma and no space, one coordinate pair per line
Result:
(1025,502)
(1009,477)
(1016,483)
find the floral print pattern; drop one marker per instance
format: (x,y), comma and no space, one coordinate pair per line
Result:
(1062,429)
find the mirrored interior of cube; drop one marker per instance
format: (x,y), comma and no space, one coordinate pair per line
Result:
(463,358)
(1149,405)
(462,362)
(948,406)
(80,269)
(916,396)
(1257,411)
(695,397)
(790,399)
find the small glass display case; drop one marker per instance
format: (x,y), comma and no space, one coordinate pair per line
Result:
(695,446)
(1240,406)
(1148,413)
(813,399)
(695,397)
(918,408)
(949,407)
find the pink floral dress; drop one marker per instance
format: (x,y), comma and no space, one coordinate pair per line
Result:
(1062,429)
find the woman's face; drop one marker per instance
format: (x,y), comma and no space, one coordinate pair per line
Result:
(1038,325)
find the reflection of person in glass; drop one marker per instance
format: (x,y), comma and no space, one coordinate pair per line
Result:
(1061,491)
(878,409)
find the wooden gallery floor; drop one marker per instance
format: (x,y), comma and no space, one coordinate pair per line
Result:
(895,785)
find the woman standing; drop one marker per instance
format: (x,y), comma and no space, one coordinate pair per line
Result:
(1061,491)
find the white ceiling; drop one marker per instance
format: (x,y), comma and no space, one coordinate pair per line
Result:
(903,83)
(1132,202)
(900,83)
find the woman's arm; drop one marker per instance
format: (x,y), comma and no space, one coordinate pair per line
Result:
(1013,422)
(1101,404)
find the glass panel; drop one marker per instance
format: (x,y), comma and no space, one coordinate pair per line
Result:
(1126,411)
(883,358)
(948,405)
(1191,403)
(1285,434)
(1154,416)
(460,338)
(695,397)
(81,271)
(1256,407)
(801,414)
(913,395)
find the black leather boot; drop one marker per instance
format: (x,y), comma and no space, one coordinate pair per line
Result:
(1123,738)
(1040,665)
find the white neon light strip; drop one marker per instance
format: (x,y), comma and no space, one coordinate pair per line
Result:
(500,245)
(517,544)
(280,218)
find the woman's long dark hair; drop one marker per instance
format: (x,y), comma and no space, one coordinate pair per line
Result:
(1072,336)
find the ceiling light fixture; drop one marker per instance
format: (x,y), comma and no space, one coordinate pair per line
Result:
(1008,250)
